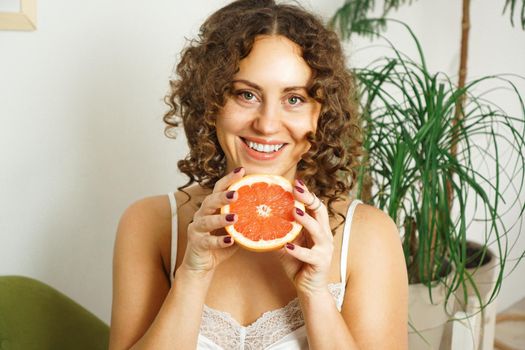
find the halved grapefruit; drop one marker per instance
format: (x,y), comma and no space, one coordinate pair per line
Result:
(264,211)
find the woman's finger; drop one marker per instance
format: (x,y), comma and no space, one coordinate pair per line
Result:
(228,179)
(209,242)
(312,203)
(209,223)
(215,201)
(315,230)
(303,254)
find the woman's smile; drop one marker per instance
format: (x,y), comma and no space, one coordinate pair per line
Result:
(262,150)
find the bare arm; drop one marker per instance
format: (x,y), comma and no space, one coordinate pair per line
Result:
(325,326)
(139,281)
(375,306)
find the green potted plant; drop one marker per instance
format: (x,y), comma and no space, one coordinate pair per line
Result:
(424,140)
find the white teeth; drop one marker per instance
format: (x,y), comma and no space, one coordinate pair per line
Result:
(264,148)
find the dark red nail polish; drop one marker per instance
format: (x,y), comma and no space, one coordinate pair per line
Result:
(237,169)
(301,182)
(299,189)
(230,194)
(230,217)
(299,211)
(227,239)
(290,246)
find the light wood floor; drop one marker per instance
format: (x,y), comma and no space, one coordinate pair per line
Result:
(510,328)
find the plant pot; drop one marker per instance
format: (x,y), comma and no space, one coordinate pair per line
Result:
(485,278)
(427,318)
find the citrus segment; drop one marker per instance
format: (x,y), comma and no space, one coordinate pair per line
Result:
(264,210)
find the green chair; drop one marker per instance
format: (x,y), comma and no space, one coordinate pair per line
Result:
(34,316)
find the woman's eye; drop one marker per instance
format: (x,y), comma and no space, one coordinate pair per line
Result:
(248,96)
(294,100)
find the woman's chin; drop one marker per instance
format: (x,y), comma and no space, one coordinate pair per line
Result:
(286,173)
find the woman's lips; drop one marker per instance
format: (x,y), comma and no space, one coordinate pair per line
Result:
(261,155)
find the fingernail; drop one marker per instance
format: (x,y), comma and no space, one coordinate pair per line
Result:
(227,239)
(230,194)
(299,189)
(237,169)
(301,182)
(230,217)
(299,211)
(290,246)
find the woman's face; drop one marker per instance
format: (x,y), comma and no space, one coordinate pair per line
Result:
(263,125)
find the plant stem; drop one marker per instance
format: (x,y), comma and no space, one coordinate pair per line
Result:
(458,117)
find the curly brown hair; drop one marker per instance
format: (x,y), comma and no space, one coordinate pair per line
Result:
(205,73)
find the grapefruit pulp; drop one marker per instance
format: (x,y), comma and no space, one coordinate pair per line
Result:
(264,209)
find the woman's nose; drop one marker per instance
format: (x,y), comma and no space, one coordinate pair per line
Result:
(268,118)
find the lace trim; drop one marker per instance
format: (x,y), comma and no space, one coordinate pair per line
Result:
(221,328)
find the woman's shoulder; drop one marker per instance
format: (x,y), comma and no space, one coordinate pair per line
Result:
(142,234)
(146,219)
(152,215)
(148,209)
(157,208)
(372,224)
(361,211)
(146,223)
(369,217)
(374,237)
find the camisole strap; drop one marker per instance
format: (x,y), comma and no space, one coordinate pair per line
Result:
(344,245)
(174,233)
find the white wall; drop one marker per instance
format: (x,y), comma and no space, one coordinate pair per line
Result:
(81,132)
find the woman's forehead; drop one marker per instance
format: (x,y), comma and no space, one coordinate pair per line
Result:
(274,60)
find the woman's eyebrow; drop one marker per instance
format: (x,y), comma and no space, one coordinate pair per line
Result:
(257,87)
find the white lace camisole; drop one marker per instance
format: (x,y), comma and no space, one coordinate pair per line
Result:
(280,329)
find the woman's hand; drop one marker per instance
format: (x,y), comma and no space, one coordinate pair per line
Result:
(307,260)
(204,251)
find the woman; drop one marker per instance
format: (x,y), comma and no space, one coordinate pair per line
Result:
(260,74)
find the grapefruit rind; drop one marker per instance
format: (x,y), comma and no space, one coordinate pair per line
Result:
(263,245)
